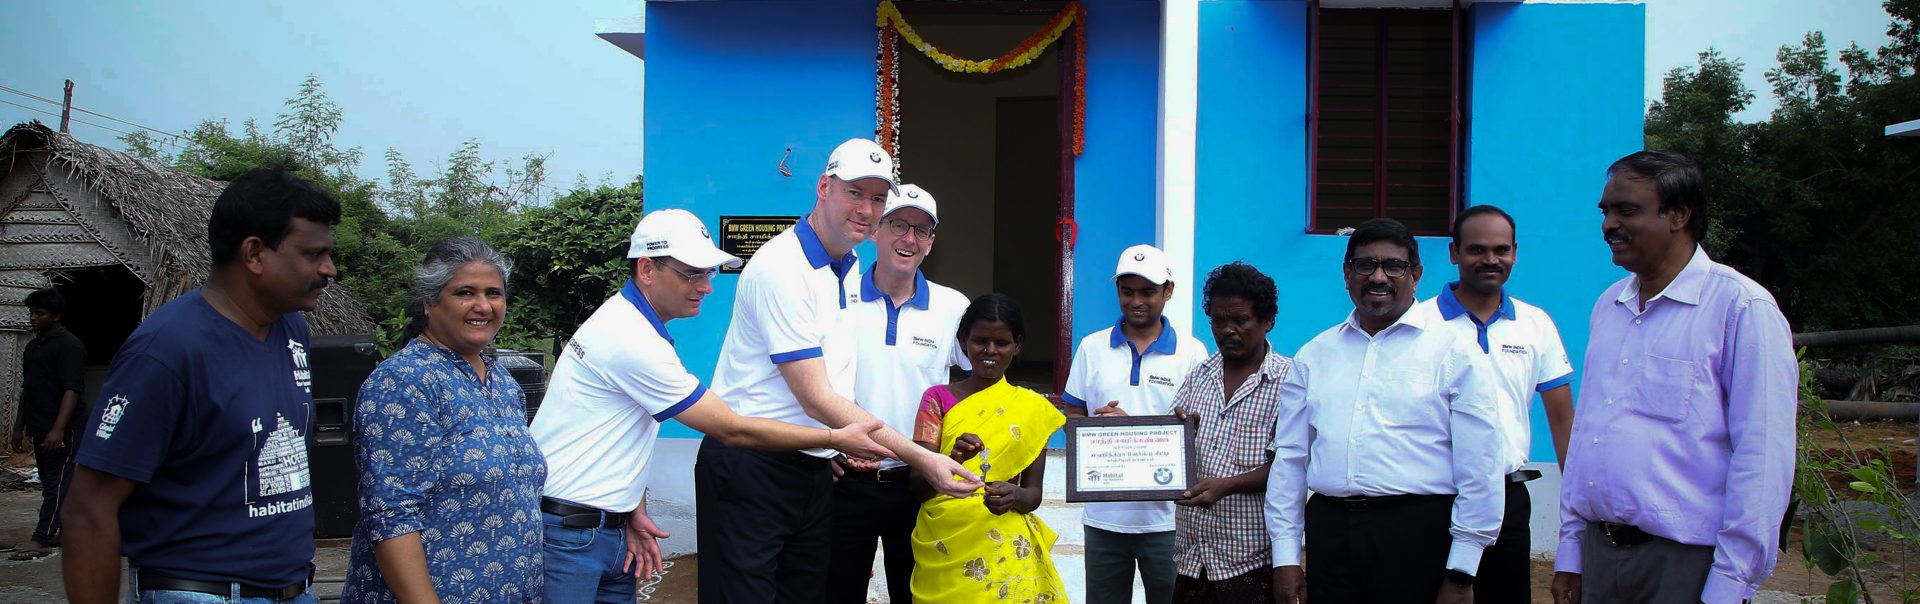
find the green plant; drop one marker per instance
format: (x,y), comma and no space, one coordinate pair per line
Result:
(1837,520)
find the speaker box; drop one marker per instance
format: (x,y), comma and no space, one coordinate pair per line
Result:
(340,364)
(530,371)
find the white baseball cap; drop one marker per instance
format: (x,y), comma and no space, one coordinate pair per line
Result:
(860,158)
(912,196)
(677,233)
(1145,261)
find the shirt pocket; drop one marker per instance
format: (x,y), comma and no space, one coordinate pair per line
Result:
(1667,389)
(1404,399)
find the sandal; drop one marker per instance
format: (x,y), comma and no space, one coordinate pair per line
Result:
(31,553)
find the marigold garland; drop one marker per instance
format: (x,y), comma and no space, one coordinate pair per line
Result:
(887,131)
(889,21)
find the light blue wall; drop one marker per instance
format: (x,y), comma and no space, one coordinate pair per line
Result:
(1114,178)
(731,85)
(1555,96)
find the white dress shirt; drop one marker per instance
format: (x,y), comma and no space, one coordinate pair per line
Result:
(1408,411)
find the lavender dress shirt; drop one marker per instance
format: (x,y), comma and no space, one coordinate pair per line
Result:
(1685,426)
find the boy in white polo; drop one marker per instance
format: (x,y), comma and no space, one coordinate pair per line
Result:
(789,355)
(1133,368)
(905,328)
(1524,345)
(616,381)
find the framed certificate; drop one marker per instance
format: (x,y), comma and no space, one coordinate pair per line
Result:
(1144,458)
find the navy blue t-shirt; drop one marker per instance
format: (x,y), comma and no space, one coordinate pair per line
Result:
(213,423)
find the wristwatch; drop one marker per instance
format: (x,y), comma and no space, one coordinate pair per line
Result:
(1459,578)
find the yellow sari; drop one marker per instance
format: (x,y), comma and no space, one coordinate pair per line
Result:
(961,551)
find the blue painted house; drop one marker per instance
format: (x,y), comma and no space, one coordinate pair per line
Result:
(1217,129)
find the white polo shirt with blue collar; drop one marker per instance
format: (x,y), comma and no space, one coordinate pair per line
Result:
(791,305)
(1107,368)
(615,382)
(1524,345)
(904,348)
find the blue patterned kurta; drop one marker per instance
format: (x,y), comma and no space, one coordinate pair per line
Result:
(448,457)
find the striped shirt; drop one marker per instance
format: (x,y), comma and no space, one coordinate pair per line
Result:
(1235,437)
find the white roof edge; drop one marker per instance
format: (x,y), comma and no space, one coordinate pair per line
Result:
(1911,128)
(627,33)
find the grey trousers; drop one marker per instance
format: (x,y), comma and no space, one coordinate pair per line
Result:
(1656,572)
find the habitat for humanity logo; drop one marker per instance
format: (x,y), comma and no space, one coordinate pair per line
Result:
(110,416)
(302,377)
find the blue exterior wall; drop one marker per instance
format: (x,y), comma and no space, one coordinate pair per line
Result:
(1554,97)
(731,85)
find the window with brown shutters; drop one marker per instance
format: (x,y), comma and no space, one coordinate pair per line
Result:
(1385,118)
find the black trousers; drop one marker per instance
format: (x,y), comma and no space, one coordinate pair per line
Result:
(1388,551)
(56,474)
(1505,573)
(865,512)
(766,525)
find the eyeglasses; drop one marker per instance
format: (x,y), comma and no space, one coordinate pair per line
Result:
(899,228)
(697,276)
(1364,267)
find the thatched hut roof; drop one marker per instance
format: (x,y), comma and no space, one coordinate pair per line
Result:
(165,212)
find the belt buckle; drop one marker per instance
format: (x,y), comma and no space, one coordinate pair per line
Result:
(886,475)
(291,591)
(1355,504)
(1607,528)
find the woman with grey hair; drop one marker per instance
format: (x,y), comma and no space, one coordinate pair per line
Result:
(450,480)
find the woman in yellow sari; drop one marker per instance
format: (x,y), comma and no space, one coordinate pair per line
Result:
(987,547)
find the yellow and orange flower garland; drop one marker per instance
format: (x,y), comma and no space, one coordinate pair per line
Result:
(890,22)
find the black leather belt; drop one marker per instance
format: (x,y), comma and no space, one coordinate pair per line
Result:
(1622,535)
(1520,476)
(574,516)
(883,475)
(147,581)
(1361,504)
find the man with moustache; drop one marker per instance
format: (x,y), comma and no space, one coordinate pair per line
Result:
(1682,455)
(1234,396)
(195,466)
(905,327)
(1391,421)
(1523,347)
(1133,368)
(618,380)
(789,356)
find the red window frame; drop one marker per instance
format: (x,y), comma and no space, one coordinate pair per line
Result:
(1382,140)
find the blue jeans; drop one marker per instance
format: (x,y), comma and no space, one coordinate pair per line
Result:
(584,565)
(160,596)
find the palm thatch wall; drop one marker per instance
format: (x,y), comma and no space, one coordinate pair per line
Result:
(68,205)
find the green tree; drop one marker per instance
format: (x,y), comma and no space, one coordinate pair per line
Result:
(569,257)
(385,231)
(1815,202)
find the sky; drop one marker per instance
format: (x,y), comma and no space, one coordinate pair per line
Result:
(420,77)
(1753,31)
(530,77)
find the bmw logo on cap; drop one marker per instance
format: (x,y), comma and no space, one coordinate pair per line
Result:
(1140,257)
(875,156)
